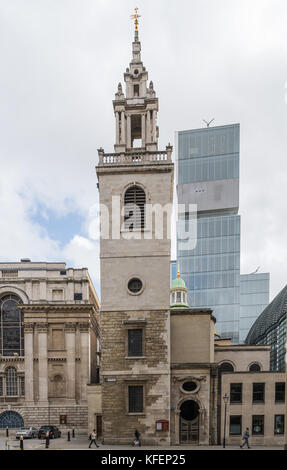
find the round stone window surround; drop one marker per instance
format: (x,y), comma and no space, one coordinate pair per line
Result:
(130,279)
(192,392)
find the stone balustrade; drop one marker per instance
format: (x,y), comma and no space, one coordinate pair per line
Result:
(135,158)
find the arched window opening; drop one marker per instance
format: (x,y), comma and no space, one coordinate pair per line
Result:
(226,367)
(11,381)
(134,213)
(11,326)
(254,367)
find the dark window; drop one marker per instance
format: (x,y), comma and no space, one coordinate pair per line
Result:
(280,392)
(258,393)
(189,386)
(22,386)
(279,424)
(135,399)
(235,393)
(136,90)
(1,386)
(78,296)
(135,342)
(63,273)
(11,327)
(255,368)
(11,381)
(135,285)
(226,367)
(235,425)
(134,214)
(257,425)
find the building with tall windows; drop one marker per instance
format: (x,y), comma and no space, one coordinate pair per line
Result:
(208,179)
(49,336)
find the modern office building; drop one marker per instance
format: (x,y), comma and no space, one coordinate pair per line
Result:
(208,177)
(254,297)
(270,329)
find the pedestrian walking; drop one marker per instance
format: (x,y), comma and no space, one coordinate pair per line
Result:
(93,438)
(47,439)
(137,440)
(246,436)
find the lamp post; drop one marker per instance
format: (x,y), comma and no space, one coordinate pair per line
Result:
(225,399)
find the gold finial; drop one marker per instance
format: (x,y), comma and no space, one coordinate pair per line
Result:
(178,271)
(135,17)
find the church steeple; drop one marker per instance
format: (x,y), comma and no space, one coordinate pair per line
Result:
(136,110)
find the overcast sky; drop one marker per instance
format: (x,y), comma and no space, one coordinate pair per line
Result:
(61,61)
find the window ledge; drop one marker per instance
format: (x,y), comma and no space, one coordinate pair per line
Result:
(133,358)
(135,414)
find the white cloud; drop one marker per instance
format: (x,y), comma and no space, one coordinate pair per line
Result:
(60,65)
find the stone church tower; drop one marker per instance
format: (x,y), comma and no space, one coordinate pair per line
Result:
(135,267)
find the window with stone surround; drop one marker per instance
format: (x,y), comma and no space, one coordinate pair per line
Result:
(235,425)
(1,386)
(11,326)
(236,393)
(135,398)
(279,424)
(258,392)
(135,342)
(11,381)
(258,425)
(280,392)
(134,208)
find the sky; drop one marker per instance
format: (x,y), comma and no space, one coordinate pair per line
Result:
(61,61)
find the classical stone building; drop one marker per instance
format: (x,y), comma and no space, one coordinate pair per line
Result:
(48,347)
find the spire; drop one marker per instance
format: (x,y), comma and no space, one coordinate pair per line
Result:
(135,17)
(178,271)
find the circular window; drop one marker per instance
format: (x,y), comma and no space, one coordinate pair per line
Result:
(189,386)
(136,72)
(135,285)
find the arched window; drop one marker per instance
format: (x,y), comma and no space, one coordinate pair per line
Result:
(11,326)
(134,203)
(226,367)
(254,367)
(11,381)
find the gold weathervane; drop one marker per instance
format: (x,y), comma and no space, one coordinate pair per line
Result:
(135,17)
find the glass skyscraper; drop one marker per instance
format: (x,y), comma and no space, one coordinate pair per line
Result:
(254,297)
(208,176)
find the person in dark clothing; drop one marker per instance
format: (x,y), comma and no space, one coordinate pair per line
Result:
(137,440)
(93,439)
(246,436)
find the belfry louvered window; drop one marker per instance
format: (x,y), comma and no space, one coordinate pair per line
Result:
(134,213)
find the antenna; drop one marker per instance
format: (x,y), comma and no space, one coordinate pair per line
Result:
(208,122)
(255,272)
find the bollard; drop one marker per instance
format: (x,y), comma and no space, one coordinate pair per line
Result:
(69,437)
(21,443)
(47,440)
(73,433)
(7,431)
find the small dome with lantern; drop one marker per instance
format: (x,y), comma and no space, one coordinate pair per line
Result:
(178,293)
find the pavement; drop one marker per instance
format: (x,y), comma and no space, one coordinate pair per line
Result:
(81,442)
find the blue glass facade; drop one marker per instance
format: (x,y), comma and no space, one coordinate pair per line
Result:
(211,270)
(254,297)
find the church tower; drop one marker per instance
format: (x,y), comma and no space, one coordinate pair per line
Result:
(135,187)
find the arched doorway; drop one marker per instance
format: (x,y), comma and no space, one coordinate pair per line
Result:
(189,423)
(11,419)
